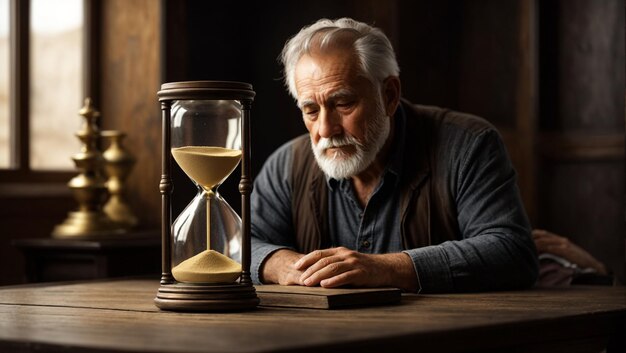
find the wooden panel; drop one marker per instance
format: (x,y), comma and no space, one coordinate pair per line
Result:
(130,80)
(428,50)
(490,59)
(582,147)
(520,138)
(585,202)
(583,71)
(593,35)
(581,144)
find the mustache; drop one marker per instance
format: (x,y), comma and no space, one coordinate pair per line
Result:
(337,141)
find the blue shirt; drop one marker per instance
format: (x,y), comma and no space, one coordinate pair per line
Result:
(373,229)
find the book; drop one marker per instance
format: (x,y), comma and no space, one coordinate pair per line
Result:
(325,298)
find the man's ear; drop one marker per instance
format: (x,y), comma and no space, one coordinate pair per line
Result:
(391,90)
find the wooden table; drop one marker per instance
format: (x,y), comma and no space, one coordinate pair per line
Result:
(119,316)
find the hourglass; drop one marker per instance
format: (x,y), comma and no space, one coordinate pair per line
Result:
(206,250)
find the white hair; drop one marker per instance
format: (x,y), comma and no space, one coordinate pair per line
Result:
(374,51)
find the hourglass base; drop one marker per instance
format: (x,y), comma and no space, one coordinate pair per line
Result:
(206,297)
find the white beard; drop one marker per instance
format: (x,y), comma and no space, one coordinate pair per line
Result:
(342,165)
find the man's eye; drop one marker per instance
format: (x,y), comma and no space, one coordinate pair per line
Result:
(310,114)
(344,105)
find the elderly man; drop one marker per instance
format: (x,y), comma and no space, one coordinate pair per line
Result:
(383,192)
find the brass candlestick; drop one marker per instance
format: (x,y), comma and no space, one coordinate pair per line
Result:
(118,163)
(88,187)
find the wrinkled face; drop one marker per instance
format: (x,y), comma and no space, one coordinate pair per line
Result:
(342,110)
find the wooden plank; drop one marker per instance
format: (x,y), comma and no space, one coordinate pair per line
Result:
(526,107)
(134,295)
(137,295)
(323,298)
(581,146)
(130,79)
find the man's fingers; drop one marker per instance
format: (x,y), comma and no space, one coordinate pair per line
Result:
(331,270)
(330,261)
(323,264)
(342,279)
(308,259)
(312,257)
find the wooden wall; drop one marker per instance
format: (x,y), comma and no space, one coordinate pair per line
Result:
(130,78)
(581,125)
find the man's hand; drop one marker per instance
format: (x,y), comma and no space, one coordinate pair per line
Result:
(341,266)
(279,268)
(551,243)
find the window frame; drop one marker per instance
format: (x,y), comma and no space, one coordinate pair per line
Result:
(19,81)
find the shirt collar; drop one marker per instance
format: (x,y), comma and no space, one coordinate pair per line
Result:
(394,165)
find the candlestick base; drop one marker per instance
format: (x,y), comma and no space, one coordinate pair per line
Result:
(87,224)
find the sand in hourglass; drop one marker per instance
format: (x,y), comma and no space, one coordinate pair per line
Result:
(208,166)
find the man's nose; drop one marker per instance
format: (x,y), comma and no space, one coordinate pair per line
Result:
(329,123)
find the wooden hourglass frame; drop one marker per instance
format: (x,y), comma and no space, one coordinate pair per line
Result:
(180,296)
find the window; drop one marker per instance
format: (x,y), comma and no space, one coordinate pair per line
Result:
(56,73)
(42,85)
(4,84)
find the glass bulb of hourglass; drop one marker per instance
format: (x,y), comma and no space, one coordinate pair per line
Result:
(208,167)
